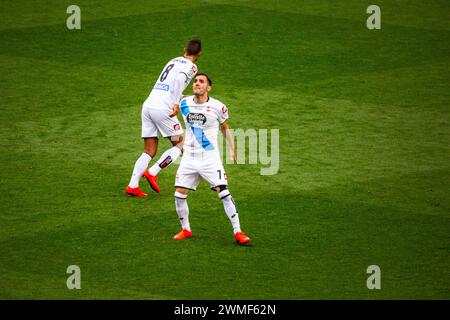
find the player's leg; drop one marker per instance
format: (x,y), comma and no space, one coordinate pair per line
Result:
(150,147)
(169,156)
(182,209)
(215,174)
(149,134)
(187,178)
(232,212)
(171,129)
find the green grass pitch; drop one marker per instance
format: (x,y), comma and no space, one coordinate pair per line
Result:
(364,177)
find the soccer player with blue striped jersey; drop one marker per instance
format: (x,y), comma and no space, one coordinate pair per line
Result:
(203,117)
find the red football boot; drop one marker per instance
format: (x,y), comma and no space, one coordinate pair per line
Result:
(241,238)
(136,192)
(153,180)
(183,234)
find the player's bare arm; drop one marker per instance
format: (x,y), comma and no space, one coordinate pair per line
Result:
(226,132)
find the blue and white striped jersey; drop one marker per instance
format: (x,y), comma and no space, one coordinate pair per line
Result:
(202,125)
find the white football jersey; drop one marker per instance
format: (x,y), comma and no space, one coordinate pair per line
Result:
(162,96)
(202,125)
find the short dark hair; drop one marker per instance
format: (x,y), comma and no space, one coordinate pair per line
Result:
(205,75)
(194,47)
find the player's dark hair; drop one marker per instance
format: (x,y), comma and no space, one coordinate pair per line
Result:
(205,75)
(194,47)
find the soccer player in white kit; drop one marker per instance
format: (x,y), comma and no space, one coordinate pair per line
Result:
(159,114)
(203,116)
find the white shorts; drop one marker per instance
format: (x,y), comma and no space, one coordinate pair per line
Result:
(191,170)
(154,120)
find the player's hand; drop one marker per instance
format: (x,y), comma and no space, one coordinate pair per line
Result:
(175,110)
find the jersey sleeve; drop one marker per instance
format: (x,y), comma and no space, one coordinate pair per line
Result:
(190,72)
(179,87)
(222,113)
(184,107)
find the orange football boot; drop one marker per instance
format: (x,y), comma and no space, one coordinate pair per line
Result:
(136,192)
(241,238)
(153,180)
(183,234)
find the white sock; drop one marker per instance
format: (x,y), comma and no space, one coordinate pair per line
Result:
(166,158)
(182,210)
(230,209)
(139,168)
